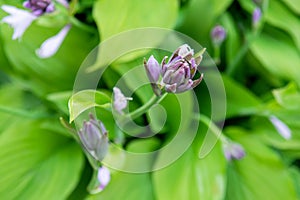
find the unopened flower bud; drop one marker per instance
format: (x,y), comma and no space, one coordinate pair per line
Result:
(281,127)
(218,35)
(103,177)
(93,136)
(233,151)
(256,16)
(120,101)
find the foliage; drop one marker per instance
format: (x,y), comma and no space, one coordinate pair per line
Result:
(40,157)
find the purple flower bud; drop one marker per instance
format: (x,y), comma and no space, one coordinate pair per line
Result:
(177,73)
(256,16)
(218,35)
(120,101)
(103,177)
(93,137)
(233,151)
(153,69)
(281,127)
(39,7)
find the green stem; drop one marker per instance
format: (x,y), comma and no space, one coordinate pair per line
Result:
(143,109)
(81,25)
(217,58)
(212,126)
(241,54)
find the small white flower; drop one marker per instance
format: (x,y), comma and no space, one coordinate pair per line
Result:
(52,44)
(120,101)
(281,127)
(18,19)
(103,177)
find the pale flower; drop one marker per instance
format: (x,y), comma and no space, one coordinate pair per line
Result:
(18,19)
(52,44)
(281,127)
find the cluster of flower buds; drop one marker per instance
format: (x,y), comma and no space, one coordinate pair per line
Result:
(233,151)
(176,75)
(94,138)
(38,7)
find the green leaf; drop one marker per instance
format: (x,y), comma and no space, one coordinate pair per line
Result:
(260,174)
(115,16)
(131,186)
(288,97)
(60,99)
(240,101)
(37,164)
(128,187)
(293,5)
(192,178)
(85,99)
(291,23)
(200,16)
(278,57)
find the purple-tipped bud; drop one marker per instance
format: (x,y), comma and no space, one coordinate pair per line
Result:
(93,137)
(103,177)
(256,16)
(39,7)
(281,127)
(120,101)
(153,69)
(218,35)
(233,151)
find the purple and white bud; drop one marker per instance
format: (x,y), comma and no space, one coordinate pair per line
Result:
(218,35)
(281,127)
(177,74)
(120,101)
(233,151)
(153,69)
(39,7)
(103,177)
(93,137)
(256,16)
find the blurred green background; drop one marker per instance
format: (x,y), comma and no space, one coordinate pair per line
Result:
(260,66)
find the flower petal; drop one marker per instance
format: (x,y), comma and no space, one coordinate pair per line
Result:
(18,19)
(281,127)
(52,44)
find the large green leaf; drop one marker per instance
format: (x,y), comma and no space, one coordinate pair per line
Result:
(278,57)
(131,186)
(291,23)
(85,99)
(240,101)
(293,5)
(260,174)
(115,16)
(192,178)
(37,164)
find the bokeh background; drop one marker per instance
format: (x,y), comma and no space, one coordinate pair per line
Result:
(260,67)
